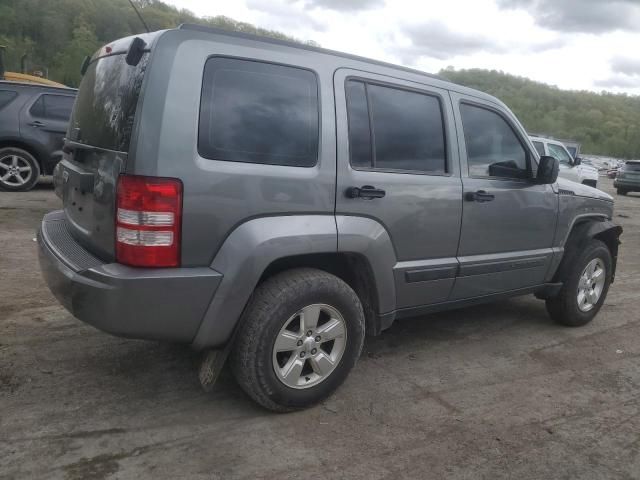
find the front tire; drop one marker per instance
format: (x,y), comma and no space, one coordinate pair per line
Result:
(19,170)
(585,285)
(300,335)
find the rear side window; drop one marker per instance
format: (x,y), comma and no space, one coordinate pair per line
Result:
(259,113)
(493,149)
(6,96)
(395,129)
(55,107)
(539,148)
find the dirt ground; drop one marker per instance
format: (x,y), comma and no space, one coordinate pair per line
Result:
(497,391)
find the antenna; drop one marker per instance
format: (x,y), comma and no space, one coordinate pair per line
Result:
(139,16)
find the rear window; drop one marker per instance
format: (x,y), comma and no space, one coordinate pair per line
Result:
(259,113)
(539,148)
(106,104)
(5,97)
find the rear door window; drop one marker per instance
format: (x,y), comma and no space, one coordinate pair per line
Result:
(259,113)
(394,129)
(54,107)
(6,96)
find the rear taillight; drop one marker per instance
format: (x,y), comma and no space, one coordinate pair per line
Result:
(148,221)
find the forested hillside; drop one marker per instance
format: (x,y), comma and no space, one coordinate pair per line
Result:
(56,35)
(605,123)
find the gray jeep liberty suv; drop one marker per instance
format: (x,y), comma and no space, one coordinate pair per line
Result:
(276,202)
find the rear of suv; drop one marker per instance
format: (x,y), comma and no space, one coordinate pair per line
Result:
(273,202)
(33,123)
(627,178)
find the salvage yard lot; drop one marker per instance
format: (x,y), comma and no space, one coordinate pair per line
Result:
(493,391)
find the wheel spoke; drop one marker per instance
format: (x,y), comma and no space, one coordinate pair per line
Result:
(593,297)
(597,274)
(331,330)
(581,297)
(19,179)
(292,370)
(4,167)
(286,342)
(14,161)
(309,317)
(321,364)
(24,169)
(6,176)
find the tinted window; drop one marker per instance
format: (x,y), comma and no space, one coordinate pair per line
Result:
(258,112)
(559,153)
(58,107)
(6,96)
(540,148)
(572,151)
(359,132)
(407,129)
(493,149)
(106,104)
(632,167)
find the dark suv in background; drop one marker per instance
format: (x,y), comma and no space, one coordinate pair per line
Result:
(33,122)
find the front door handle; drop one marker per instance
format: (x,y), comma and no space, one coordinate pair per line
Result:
(479,196)
(36,124)
(366,191)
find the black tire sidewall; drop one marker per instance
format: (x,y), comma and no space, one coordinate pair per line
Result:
(572,315)
(332,293)
(32,162)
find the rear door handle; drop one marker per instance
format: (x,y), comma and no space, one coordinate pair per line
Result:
(37,124)
(366,191)
(479,196)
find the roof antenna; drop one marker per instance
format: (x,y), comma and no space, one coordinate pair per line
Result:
(139,16)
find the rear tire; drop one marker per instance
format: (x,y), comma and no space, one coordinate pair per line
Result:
(276,361)
(572,309)
(19,170)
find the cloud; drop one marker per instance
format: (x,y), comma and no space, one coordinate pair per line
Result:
(434,39)
(626,66)
(344,5)
(583,16)
(284,17)
(619,81)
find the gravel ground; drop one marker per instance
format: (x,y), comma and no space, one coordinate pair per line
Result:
(496,391)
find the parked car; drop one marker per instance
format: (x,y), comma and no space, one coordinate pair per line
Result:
(628,178)
(612,172)
(276,201)
(33,122)
(570,168)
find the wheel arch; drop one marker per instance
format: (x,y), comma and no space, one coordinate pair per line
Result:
(582,231)
(261,247)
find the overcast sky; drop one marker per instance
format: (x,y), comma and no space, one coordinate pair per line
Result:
(574,44)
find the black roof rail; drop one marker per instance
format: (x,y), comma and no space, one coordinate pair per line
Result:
(302,46)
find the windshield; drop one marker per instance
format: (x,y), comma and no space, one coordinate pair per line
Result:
(106,104)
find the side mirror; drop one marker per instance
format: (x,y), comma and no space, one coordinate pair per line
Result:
(577,161)
(547,170)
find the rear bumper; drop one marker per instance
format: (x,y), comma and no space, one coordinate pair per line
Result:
(155,304)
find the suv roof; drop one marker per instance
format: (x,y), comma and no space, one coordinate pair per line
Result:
(300,46)
(48,88)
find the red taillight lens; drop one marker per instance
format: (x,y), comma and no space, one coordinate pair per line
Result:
(148,221)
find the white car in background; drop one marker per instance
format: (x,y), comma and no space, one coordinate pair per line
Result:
(570,168)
